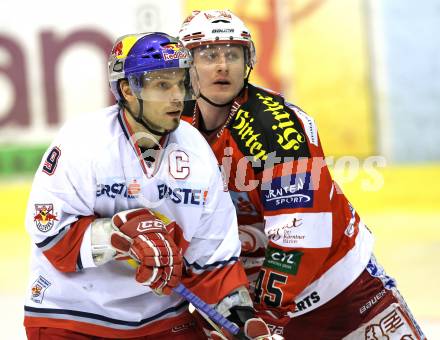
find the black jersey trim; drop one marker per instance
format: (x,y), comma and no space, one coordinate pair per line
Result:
(123,126)
(94,316)
(49,239)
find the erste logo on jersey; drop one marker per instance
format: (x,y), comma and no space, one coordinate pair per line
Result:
(130,190)
(44,217)
(182,195)
(292,191)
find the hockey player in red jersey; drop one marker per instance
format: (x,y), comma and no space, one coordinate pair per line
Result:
(127,203)
(305,248)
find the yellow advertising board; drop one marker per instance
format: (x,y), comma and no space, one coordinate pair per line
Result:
(315,53)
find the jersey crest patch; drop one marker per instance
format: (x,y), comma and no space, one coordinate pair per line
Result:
(44,217)
(38,288)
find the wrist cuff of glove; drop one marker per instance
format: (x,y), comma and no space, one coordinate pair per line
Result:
(100,233)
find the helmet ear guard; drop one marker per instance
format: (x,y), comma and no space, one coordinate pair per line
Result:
(252,54)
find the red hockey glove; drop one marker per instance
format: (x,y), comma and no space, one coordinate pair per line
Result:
(160,262)
(144,237)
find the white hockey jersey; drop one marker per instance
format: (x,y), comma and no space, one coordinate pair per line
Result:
(94,168)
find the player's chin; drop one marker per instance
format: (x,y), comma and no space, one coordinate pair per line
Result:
(224,98)
(173,123)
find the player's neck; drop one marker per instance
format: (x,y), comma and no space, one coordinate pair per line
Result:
(149,141)
(213,116)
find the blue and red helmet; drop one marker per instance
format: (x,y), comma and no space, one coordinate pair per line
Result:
(134,55)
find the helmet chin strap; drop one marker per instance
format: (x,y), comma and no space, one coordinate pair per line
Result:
(246,81)
(142,121)
(201,95)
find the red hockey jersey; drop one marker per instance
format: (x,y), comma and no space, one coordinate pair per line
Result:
(278,179)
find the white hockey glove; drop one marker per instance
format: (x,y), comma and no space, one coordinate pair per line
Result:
(102,250)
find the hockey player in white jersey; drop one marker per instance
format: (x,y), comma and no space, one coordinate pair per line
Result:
(126,204)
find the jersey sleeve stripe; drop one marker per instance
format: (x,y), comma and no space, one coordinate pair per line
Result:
(49,241)
(64,254)
(103,326)
(79,265)
(48,312)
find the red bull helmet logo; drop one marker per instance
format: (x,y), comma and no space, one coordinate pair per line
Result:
(117,50)
(174,47)
(122,48)
(44,217)
(174,51)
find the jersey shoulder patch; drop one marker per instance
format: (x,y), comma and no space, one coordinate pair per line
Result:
(308,122)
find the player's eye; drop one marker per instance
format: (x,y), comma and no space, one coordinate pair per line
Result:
(209,55)
(232,56)
(212,55)
(163,85)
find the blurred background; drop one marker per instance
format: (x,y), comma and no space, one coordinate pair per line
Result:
(368,71)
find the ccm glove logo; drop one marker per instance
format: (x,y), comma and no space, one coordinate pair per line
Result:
(144,226)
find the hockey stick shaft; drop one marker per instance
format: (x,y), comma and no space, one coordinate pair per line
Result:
(205,308)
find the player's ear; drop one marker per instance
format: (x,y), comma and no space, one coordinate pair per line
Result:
(126,91)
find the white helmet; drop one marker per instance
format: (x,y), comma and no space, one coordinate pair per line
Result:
(216,27)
